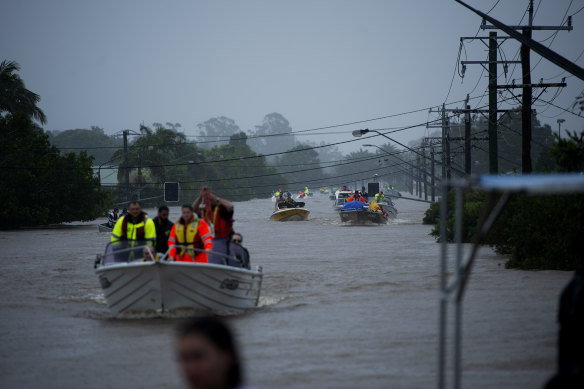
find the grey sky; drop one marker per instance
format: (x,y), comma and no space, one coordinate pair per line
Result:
(116,64)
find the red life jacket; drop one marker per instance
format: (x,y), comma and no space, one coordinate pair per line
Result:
(139,231)
(223,228)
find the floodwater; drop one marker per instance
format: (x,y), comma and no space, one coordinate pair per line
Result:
(341,307)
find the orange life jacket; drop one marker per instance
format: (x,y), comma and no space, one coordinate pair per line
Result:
(195,234)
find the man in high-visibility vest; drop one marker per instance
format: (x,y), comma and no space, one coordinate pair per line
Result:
(132,230)
(189,232)
(379,197)
(135,226)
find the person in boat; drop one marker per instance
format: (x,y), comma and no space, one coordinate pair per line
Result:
(380,197)
(133,229)
(238,251)
(112,218)
(208,355)
(290,203)
(356,197)
(280,202)
(364,194)
(135,226)
(163,227)
(219,212)
(189,232)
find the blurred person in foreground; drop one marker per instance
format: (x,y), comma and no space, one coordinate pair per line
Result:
(208,355)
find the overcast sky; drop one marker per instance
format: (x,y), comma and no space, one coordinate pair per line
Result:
(116,64)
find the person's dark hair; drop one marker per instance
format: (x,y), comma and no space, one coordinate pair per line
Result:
(187,206)
(238,233)
(218,333)
(135,202)
(162,208)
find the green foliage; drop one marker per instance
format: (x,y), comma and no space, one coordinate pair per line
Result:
(541,232)
(297,159)
(569,153)
(14,97)
(473,205)
(98,145)
(536,232)
(39,185)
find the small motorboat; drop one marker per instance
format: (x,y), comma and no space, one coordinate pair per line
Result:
(288,212)
(104,227)
(359,213)
(135,280)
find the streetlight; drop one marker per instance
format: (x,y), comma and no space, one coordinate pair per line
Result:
(560,121)
(359,133)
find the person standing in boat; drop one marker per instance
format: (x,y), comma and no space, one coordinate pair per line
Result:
(219,212)
(163,227)
(136,226)
(189,232)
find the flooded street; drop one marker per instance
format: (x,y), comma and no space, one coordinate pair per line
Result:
(341,307)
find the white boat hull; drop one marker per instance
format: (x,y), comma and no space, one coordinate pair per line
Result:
(104,228)
(165,286)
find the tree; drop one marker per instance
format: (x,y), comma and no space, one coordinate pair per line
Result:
(14,97)
(301,166)
(97,144)
(269,137)
(215,128)
(39,185)
(238,139)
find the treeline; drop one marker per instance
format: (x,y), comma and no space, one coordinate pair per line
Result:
(237,164)
(535,232)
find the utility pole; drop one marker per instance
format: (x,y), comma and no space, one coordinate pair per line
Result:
(126,164)
(444,142)
(526,98)
(526,45)
(433,174)
(493,148)
(492,111)
(425,171)
(467,143)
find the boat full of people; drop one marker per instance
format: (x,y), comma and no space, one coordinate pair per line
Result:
(287,209)
(135,278)
(360,213)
